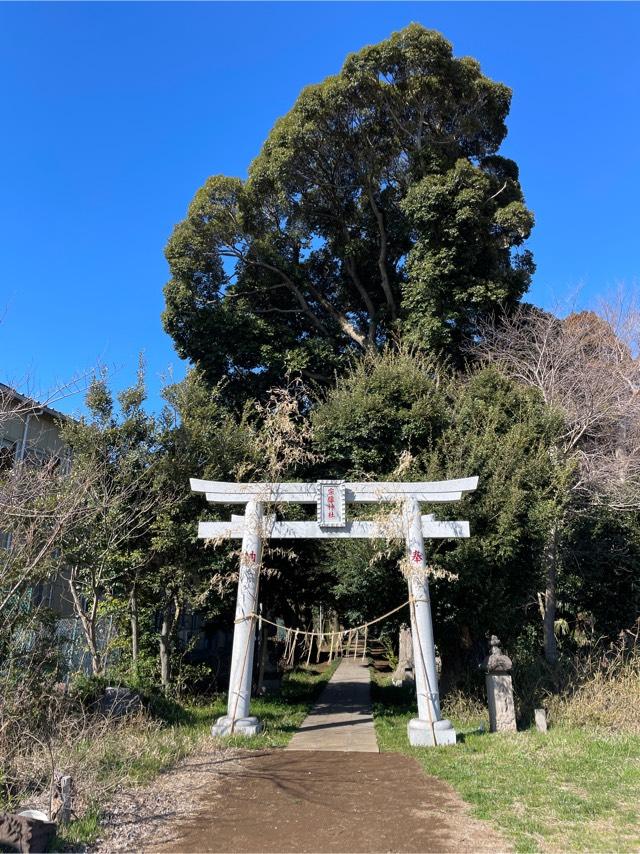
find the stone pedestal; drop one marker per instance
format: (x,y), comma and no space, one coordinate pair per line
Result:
(242,726)
(421,733)
(502,714)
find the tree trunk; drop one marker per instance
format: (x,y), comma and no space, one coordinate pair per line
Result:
(88,621)
(170,617)
(97,665)
(134,629)
(549,605)
(165,647)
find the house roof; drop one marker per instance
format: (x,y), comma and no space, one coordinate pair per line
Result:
(31,402)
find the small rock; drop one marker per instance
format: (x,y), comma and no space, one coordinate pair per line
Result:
(117,702)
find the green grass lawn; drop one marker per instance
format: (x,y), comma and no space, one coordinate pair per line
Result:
(568,790)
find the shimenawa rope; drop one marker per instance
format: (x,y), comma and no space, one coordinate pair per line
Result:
(252,615)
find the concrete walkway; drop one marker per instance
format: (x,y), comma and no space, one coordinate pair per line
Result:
(342,719)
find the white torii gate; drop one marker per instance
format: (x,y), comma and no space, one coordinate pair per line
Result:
(331,497)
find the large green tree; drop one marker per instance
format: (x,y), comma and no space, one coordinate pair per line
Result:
(377,210)
(112,451)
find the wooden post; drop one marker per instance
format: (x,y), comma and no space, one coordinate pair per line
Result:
(237,719)
(427,728)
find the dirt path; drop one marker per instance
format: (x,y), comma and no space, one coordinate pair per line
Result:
(343,796)
(305,801)
(294,801)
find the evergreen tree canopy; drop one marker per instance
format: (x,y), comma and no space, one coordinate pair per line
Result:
(395,417)
(378,210)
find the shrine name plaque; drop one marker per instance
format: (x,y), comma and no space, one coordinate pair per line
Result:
(331,504)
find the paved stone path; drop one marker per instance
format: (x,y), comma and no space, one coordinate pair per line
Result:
(342,719)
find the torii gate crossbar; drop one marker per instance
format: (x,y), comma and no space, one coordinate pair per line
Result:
(331,497)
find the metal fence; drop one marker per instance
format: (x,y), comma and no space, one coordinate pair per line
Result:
(74,652)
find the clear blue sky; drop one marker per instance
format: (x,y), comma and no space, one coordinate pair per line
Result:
(114,114)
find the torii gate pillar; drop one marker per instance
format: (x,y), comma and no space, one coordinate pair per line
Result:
(428,729)
(237,720)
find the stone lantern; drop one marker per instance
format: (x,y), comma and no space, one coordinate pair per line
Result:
(497,666)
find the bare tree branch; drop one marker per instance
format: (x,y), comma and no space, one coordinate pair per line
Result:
(586,366)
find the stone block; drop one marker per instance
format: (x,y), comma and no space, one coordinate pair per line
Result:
(242,726)
(421,734)
(541,719)
(118,701)
(502,714)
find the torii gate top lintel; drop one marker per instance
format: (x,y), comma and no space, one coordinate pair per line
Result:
(221,492)
(331,497)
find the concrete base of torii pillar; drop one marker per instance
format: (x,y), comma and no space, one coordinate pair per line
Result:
(241,726)
(421,734)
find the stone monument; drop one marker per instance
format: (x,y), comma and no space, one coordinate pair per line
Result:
(497,665)
(403,674)
(540,716)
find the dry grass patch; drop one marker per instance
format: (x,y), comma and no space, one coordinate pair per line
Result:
(605,689)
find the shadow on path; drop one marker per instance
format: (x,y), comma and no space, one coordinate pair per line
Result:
(342,719)
(306,801)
